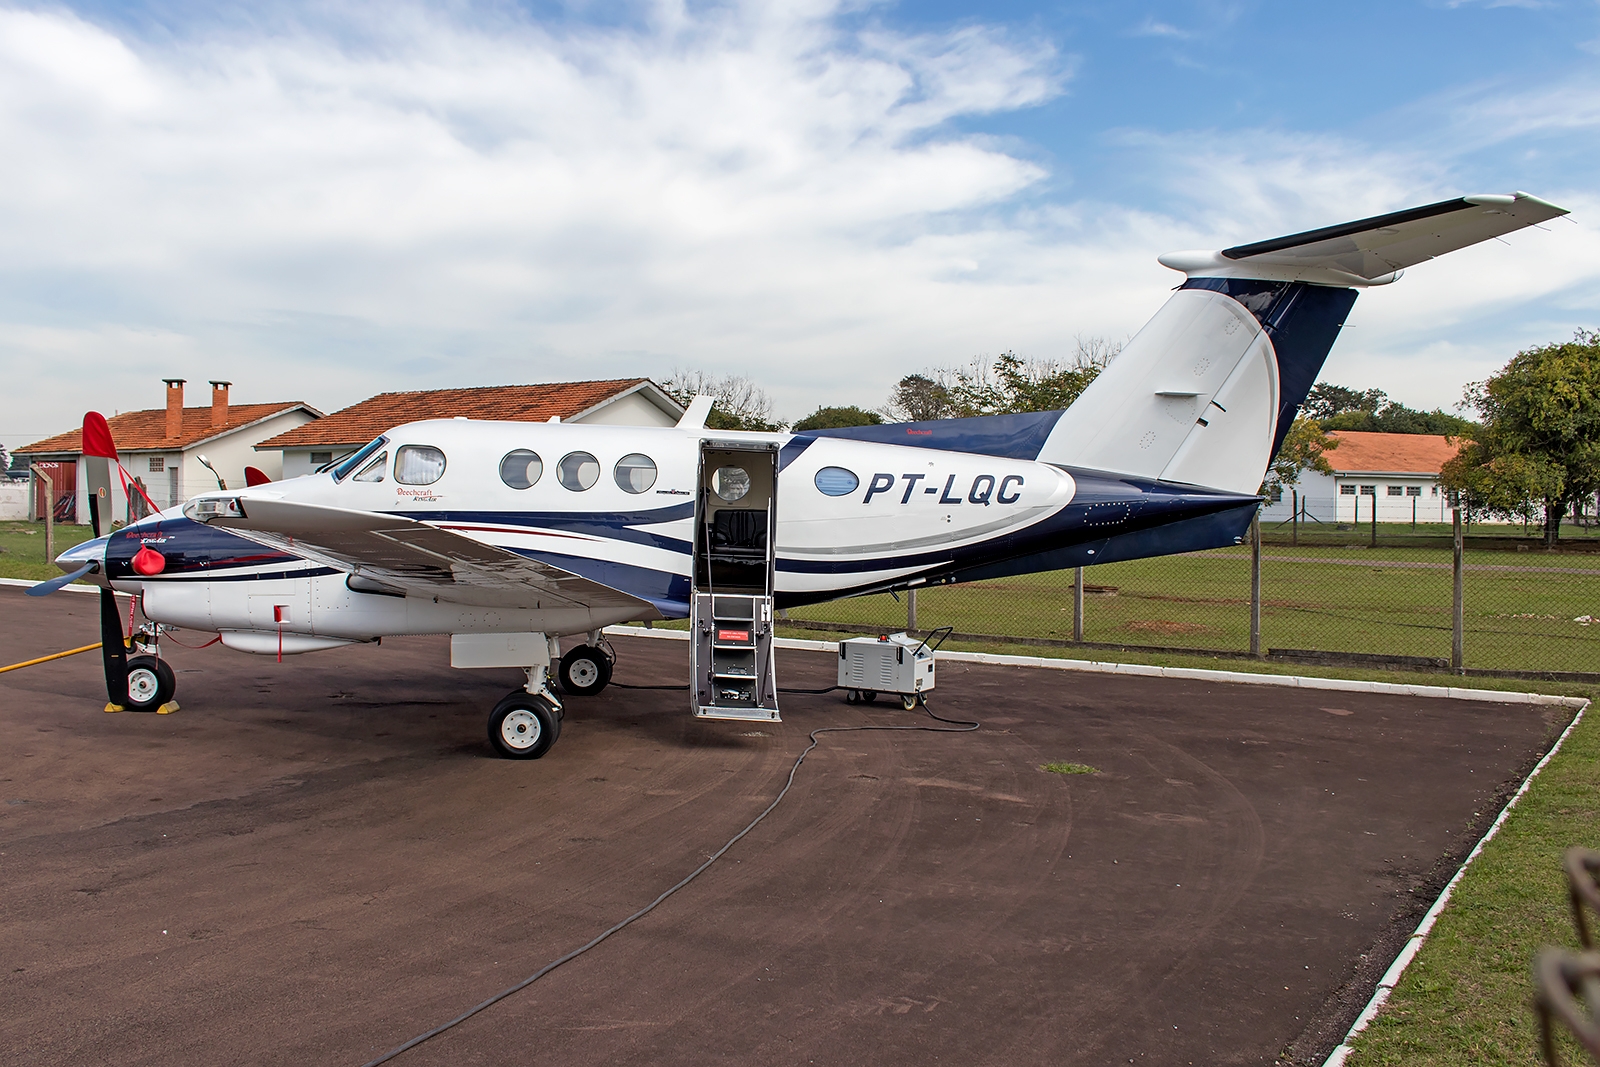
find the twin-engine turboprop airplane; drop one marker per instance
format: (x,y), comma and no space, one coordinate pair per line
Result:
(510,535)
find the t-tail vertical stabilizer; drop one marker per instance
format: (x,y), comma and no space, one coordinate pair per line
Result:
(1205,393)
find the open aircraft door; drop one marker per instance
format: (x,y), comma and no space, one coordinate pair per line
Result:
(731,618)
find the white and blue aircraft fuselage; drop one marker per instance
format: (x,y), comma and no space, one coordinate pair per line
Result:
(541,530)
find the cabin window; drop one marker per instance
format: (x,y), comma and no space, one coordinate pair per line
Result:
(635,473)
(521,469)
(836,481)
(373,472)
(321,459)
(418,465)
(731,483)
(578,471)
(343,470)
(158,464)
(1347,490)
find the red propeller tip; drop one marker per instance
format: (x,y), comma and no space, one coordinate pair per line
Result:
(97,437)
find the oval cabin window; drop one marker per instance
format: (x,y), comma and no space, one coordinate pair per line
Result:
(836,481)
(635,473)
(418,465)
(521,469)
(578,471)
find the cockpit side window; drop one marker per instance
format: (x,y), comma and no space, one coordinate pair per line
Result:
(373,472)
(418,465)
(343,470)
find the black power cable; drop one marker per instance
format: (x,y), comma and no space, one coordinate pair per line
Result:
(956,726)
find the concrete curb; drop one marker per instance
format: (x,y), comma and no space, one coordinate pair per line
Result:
(1196,674)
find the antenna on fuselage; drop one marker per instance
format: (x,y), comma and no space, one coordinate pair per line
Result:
(699,410)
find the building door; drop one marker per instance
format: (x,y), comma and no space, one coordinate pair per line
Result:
(62,501)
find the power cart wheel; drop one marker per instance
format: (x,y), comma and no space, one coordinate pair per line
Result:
(584,671)
(523,726)
(151,683)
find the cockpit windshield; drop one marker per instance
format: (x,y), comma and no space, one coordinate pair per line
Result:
(343,469)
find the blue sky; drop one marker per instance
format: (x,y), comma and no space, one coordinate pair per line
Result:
(323,202)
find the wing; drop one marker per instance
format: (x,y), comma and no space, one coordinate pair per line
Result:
(415,558)
(1371,251)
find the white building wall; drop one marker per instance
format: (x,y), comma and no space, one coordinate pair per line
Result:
(13,500)
(631,410)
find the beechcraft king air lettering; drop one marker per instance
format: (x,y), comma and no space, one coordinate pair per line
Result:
(508,535)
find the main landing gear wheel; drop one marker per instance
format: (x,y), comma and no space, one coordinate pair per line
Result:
(523,726)
(151,683)
(585,671)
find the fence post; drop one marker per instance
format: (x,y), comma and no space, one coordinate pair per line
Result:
(911,610)
(49,511)
(1294,517)
(1458,614)
(1374,516)
(1255,584)
(1077,605)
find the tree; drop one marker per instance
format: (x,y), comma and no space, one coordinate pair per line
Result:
(1338,408)
(1008,385)
(1302,450)
(830,418)
(1538,448)
(916,398)
(740,403)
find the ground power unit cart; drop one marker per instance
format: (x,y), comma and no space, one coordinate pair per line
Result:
(894,664)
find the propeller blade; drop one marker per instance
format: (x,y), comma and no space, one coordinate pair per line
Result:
(46,588)
(97,437)
(113,653)
(99,452)
(252,476)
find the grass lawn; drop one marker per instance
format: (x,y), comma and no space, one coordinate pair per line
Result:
(1521,607)
(1466,998)
(22,549)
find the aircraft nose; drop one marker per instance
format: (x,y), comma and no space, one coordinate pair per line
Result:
(91,551)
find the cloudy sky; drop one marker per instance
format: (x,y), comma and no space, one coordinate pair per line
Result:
(325,201)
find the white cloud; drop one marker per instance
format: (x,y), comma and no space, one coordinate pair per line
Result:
(414,198)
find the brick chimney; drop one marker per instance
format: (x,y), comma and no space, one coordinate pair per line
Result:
(219,404)
(174,408)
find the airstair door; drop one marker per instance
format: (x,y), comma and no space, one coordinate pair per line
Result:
(735,547)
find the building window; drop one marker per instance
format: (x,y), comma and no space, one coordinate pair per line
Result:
(1369,490)
(1397,490)
(1276,496)
(1413,490)
(321,459)
(158,464)
(1347,490)
(1433,490)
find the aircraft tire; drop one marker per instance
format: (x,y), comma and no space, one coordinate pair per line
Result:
(151,683)
(523,726)
(584,671)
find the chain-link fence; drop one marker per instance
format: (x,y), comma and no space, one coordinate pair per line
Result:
(1381,595)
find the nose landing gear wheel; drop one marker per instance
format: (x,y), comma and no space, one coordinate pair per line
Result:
(523,726)
(585,671)
(151,683)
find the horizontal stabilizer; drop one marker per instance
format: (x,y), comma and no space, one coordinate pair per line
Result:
(1370,251)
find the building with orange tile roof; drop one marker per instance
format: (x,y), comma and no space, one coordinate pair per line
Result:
(161,448)
(621,401)
(1398,473)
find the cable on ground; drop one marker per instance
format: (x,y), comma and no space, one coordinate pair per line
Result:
(956,726)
